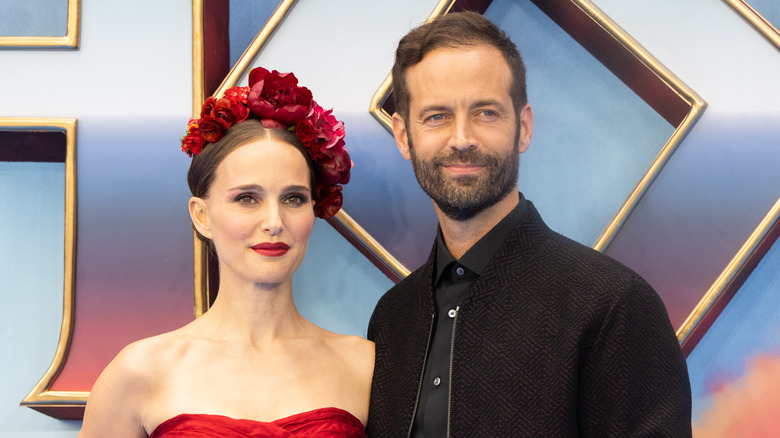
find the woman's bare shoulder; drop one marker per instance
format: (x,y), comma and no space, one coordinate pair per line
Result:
(360,346)
(137,368)
(355,372)
(353,343)
(119,395)
(146,358)
(353,350)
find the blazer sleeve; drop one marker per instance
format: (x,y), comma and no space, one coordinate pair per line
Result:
(634,378)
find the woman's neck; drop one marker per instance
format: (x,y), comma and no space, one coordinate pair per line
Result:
(257,314)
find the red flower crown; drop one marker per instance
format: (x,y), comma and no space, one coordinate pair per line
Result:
(278,102)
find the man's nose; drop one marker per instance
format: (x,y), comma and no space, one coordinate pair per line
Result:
(462,134)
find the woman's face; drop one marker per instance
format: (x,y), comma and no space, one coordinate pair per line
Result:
(259,212)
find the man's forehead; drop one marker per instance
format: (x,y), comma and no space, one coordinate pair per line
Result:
(448,75)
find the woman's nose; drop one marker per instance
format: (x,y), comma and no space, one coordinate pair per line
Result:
(272,221)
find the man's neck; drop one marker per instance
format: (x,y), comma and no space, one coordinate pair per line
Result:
(462,235)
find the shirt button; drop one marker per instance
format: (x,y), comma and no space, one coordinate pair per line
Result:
(452,313)
(436,381)
(460,270)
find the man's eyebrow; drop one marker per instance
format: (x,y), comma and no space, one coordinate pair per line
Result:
(432,108)
(487,102)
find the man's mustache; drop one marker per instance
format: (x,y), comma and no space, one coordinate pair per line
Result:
(469,156)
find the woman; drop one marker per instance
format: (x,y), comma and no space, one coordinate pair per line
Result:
(252,365)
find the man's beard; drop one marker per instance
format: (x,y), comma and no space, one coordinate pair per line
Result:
(464,196)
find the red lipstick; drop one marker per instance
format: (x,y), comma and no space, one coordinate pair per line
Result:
(268,249)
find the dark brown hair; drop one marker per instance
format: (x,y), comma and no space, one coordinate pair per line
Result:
(455,30)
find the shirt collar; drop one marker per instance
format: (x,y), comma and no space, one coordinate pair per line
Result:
(478,256)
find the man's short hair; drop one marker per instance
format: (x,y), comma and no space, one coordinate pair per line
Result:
(455,30)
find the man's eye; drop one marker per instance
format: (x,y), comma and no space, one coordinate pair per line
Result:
(435,118)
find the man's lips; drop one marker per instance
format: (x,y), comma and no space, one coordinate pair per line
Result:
(464,168)
(268,249)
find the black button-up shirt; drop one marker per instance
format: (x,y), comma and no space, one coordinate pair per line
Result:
(451,284)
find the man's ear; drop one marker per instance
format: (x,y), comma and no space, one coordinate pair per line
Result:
(400,134)
(199,217)
(526,128)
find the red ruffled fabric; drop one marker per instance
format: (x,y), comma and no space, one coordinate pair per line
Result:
(319,423)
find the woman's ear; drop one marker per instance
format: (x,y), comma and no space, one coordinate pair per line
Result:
(199,217)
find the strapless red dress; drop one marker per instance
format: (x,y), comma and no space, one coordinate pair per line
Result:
(319,423)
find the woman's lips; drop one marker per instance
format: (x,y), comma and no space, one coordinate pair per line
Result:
(276,249)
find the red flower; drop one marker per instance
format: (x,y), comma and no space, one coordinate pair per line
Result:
(223,109)
(237,94)
(305,131)
(279,103)
(330,133)
(192,143)
(334,170)
(237,97)
(208,106)
(228,109)
(212,128)
(329,200)
(277,96)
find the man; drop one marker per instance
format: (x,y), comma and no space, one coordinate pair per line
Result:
(509,329)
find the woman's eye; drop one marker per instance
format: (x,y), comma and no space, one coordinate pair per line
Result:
(296,200)
(245,198)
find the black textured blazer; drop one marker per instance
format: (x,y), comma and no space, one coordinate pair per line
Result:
(554,340)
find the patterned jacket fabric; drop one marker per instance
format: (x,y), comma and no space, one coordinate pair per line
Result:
(554,340)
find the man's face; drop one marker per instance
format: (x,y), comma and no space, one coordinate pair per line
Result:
(462,135)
